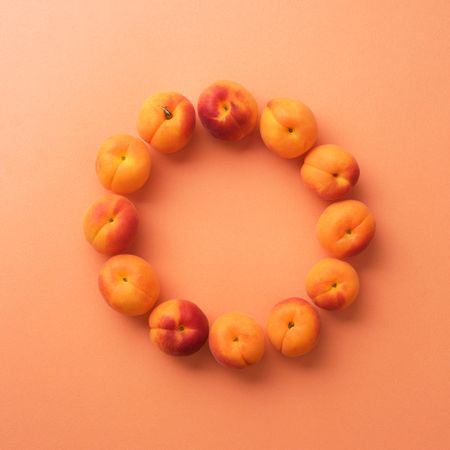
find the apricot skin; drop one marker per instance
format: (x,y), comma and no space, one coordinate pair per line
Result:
(345,228)
(166,121)
(332,284)
(288,127)
(110,224)
(123,164)
(329,171)
(293,327)
(227,110)
(178,327)
(236,340)
(129,284)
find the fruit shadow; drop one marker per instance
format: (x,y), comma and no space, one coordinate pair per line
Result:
(142,242)
(374,257)
(353,313)
(253,141)
(256,374)
(358,192)
(204,360)
(190,153)
(263,370)
(141,322)
(196,361)
(315,359)
(199,360)
(376,254)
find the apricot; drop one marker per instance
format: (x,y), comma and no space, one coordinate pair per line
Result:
(345,228)
(329,171)
(227,110)
(332,284)
(123,164)
(178,327)
(288,127)
(293,327)
(110,224)
(129,284)
(236,340)
(166,121)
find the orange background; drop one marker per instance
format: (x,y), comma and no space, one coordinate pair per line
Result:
(226,226)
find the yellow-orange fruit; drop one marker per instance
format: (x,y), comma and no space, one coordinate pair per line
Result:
(329,171)
(123,164)
(293,327)
(129,284)
(332,284)
(345,228)
(236,340)
(288,127)
(166,121)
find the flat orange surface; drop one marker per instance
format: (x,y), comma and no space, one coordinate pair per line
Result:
(226,226)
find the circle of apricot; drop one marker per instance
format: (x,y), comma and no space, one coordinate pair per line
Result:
(229,112)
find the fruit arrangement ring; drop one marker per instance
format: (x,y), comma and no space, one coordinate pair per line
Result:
(228,111)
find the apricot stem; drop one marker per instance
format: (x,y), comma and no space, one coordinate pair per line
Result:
(181,328)
(167,113)
(290,324)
